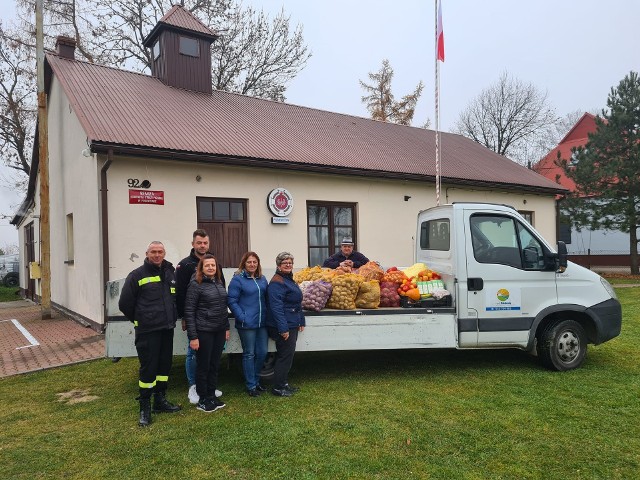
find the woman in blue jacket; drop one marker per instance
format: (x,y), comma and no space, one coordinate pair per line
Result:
(284,321)
(247,301)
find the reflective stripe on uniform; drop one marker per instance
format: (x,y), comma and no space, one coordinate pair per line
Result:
(135,323)
(145,280)
(162,378)
(141,384)
(173,289)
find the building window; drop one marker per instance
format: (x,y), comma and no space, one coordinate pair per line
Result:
(156,50)
(327,224)
(225,220)
(189,46)
(528,216)
(70,253)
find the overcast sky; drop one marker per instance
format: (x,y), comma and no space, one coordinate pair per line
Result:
(575,50)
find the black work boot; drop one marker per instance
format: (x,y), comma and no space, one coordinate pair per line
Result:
(162,405)
(145,412)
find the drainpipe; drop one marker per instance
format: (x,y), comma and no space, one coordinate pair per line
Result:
(105,229)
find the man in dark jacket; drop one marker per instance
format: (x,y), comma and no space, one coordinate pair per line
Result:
(184,271)
(346,257)
(148,300)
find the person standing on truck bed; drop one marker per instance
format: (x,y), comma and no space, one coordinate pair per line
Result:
(184,271)
(148,300)
(346,257)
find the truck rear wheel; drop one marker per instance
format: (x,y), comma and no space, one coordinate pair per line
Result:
(562,345)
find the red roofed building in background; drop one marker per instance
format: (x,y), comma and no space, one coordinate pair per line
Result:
(590,248)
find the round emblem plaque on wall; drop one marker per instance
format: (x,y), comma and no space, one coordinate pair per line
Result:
(280,202)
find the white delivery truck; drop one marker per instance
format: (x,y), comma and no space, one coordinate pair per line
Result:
(509,289)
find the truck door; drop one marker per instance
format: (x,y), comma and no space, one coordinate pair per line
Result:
(508,281)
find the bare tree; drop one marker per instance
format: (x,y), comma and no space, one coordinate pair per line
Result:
(255,55)
(380,100)
(17,107)
(510,117)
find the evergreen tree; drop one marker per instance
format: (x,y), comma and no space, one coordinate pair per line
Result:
(607,169)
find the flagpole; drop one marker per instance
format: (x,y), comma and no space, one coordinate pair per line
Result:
(437,104)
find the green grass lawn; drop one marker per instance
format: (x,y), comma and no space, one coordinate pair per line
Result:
(8,294)
(386,414)
(614,279)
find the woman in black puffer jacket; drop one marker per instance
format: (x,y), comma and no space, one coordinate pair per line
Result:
(205,312)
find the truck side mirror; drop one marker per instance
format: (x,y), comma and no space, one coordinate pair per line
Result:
(561,262)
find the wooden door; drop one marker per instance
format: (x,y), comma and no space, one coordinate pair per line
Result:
(225,221)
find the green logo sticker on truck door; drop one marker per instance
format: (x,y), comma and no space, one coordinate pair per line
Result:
(503,299)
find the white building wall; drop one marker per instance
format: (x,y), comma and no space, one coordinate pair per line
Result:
(386,222)
(73,180)
(542,206)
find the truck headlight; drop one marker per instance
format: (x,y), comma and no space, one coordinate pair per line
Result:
(607,286)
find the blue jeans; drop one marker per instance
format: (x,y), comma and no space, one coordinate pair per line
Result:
(254,351)
(191,365)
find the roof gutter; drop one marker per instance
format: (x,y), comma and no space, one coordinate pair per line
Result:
(146,152)
(104,214)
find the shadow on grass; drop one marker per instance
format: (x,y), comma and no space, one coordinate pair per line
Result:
(383,362)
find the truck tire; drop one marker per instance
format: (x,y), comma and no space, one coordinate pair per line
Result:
(11,280)
(562,345)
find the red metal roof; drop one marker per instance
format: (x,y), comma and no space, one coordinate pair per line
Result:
(122,109)
(181,19)
(177,16)
(577,137)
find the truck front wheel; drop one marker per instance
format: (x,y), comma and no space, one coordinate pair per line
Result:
(562,345)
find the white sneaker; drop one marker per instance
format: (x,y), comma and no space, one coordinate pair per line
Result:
(218,393)
(193,395)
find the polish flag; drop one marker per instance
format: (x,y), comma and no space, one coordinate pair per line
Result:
(440,36)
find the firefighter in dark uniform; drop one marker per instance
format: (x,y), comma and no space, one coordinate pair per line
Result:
(148,300)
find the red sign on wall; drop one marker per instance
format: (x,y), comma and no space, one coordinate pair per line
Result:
(146,196)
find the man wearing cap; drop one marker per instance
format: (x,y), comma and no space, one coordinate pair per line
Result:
(346,257)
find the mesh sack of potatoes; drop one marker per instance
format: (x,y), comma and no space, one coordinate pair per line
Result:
(303,285)
(316,294)
(368,294)
(345,290)
(327,274)
(396,276)
(308,273)
(371,271)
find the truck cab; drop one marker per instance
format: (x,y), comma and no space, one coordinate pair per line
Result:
(511,288)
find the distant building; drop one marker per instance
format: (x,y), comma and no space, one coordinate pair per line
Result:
(135,158)
(590,248)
